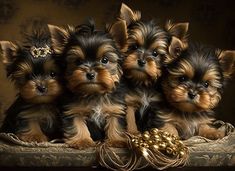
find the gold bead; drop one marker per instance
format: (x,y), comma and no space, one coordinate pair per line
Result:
(182,153)
(146,132)
(166,133)
(169,150)
(134,140)
(140,140)
(174,137)
(146,136)
(154,147)
(156,136)
(136,144)
(149,142)
(154,131)
(168,139)
(143,144)
(162,145)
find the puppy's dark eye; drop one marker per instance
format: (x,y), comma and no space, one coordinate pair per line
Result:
(154,53)
(133,47)
(105,60)
(183,79)
(52,74)
(29,76)
(206,84)
(78,62)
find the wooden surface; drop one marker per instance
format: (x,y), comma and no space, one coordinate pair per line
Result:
(13,152)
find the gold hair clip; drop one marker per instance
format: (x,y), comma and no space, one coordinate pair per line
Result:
(40,51)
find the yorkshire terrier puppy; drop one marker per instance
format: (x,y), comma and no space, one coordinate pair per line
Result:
(34,116)
(145,49)
(193,85)
(92,75)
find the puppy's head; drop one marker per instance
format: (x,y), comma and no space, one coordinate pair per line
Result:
(144,48)
(91,58)
(194,81)
(33,68)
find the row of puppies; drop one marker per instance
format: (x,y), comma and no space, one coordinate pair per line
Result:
(134,72)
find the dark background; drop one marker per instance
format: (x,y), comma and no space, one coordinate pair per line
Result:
(211,22)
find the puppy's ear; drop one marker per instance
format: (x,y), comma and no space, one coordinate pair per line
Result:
(118,31)
(9,52)
(227,62)
(128,15)
(59,37)
(179,42)
(176,47)
(178,30)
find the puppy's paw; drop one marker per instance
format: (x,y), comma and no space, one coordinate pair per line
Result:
(214,134)
(36,137)
(81,144)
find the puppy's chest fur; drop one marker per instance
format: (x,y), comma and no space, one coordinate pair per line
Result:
(96,110)
(46,115)
(142,99)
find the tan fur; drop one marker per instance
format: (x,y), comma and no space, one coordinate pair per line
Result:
(75,52)
(209,132)
(77,77)
(104,77)
(23,69)
(186,69)
(170,128)
(98,111)
(130,119)
(9,51)
(179,39)
(147,75)
(103,83)
(118,30)
(102,50)
(116,77)
(175,48)
(59,37)
(178,96)
(50,66)
(114,132)
(186,126)
(82,138)
(128,15)
(138,100)
(227,61)
(29,91)
(137,36)
(33,134)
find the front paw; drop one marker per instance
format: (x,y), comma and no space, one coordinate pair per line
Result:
(214,134)
(81,144)
(33,137)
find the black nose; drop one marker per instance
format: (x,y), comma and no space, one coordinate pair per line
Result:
(90,75)
(191,95)
(141,62)
(41,89)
